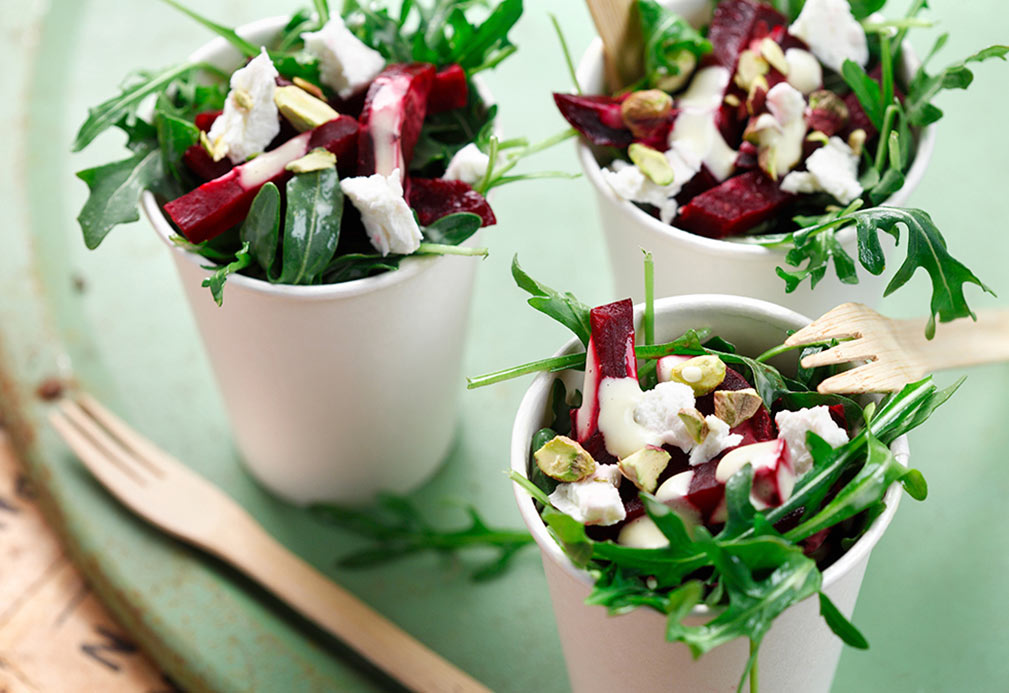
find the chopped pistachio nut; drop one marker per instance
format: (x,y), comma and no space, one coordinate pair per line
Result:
(856,140)
(652,163)
(702,373)
(316,160)
(695,424)
(242,99)
(684,64)
(643,109)
(750,67)
(759,84)
(564,459)
(736,406)
(774,56)
(732,100)
(217,149)
(767,160)
(817,136)
(643,467)
(826,100)
(301,109)
(312,89)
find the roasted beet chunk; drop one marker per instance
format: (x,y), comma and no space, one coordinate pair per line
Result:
(705,492)
(735,23)
(199,162)
(449,90)
(733,207)
(392,116)
(598,118)
(205,120)
(434,198)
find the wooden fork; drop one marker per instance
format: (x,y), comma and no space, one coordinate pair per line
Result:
(163,491)
(618,27)
(896,350)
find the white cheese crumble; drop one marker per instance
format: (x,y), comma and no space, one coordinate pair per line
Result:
(629,183)
(346,64)
(804,71)
(793,426)
(833,169)
(718,439)
(387,218)
(250,119)
(594,500)
(658,412)
(468,165)
(784,128)
(831,32)
(695,136)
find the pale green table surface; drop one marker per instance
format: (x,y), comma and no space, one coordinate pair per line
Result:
(935,600)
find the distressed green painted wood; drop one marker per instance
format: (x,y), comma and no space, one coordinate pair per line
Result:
(933,603)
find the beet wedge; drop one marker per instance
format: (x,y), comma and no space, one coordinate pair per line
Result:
(610,354)
(434,198)
(216,206)
(449,90)
(391,119)
(735,23)
(199,162)
(735,206)
(598,118)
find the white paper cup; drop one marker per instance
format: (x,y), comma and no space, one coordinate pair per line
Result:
(339,391)
(686,263)
(629,652)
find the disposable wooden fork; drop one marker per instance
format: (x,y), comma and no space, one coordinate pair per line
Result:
(896,350)
(164,491)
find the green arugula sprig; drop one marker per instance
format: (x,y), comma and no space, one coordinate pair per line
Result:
(399,529)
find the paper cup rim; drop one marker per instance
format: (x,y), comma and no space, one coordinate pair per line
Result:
(540,388)
(592,59)
(410,267)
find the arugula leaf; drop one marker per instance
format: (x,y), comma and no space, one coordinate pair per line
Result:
(792,8)
(261,228)
(453,229)
(866,89)
(244,47)
(300,22)
(479,44)
(215,282)
(861,9)
(114,110)
(564,308)
(311,225)
(399,529)
(926,249)
(175,136)
(841,626)
(925,87)
(115,193)
(350,266)
(666,37)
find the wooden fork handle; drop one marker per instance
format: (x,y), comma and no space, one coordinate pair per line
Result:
(618,27)
(250,549)
(964,342)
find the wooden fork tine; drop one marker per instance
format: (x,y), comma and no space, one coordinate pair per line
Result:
(146,452)
(120,482)
(102,440)
(830,325)
(871,377)
(842,353)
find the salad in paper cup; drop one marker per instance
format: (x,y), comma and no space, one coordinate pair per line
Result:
(687,477)
(786,126)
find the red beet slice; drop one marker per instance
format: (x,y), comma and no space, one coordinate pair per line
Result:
(392,116)
(734,206)
(449,90)
(610,354)
(199,162)
(705,492)
(735,23)
(702,181)
(206,119)
(216,206)
(598,118)
(434,198)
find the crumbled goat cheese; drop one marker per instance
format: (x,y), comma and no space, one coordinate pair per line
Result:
(468,165)
(345,63)
(658,411)
(804,71)
(250,119)
(642,533)
(831,32)
(785,103)
(594,500)
(783,129)
(833,169)
(793,426)
(695,137)
(387,218)
(631,184)
(718,439)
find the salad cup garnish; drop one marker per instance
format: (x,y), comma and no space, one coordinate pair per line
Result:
(785,123)
(686,474)
(344,146)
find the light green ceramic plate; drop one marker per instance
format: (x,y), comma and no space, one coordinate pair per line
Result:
(933,604)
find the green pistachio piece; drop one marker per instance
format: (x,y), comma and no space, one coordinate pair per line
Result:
(695,424)
(652,163)
(774,56)
(242,99)
(564,459)
(316,160)
(643,467)
(856,140)
(643,110)
(736,406)
(750,66)
(301,109)
(702,373)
